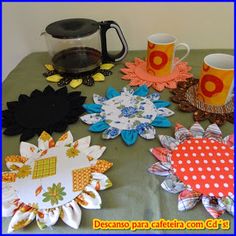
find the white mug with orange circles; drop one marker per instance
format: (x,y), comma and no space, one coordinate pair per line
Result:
(216,82)
(161,50)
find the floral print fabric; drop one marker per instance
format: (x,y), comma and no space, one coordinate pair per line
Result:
(129,113)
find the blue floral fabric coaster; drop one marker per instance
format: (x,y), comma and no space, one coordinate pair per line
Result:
(128,113)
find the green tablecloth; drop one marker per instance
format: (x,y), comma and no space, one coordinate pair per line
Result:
(136,194)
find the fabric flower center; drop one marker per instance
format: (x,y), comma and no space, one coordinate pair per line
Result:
(128,111)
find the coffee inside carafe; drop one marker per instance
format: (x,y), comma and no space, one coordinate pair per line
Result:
(77,60)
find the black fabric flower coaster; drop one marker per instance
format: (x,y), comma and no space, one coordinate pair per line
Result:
(48,110)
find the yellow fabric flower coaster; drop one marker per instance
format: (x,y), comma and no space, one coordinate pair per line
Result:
(75,81)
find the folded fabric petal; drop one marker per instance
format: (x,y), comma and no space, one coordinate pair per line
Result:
(100,181)
(159,169)
(161,121)
(82,144)
(213,132)
(111,93)
(182,133)
(129,136)
(71,214)
(154,96)
(22,217)
(45,141)
(91,118)
(89,199)
(160,103)
(163,111)
(99,127)
(146,131)
(10,200)
(95,151)
(98,99)
(92,108)
(127,91)
(227,203)
(47,218)
(212,206)
(172,184)
(168,142)
(229,140)
(13,130)
(111,133)
(197,130)
(161,154)
(65,139)
(15,162)
(28,149)
(188,199)
(141,91)
(27,134)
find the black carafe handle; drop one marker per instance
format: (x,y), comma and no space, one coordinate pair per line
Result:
(106,57)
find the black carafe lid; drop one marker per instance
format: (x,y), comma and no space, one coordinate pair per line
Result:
(72,28)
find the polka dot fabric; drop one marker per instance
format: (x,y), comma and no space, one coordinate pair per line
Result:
(206,166)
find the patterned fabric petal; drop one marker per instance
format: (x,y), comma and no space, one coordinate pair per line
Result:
(91,118)
(160,103)
(111,93)
(182,133)
(100,182)
(227,203)
(65,139)
(98,99)
(141,91)
(163,111)
(129,136)
(197,130)
(161,121)
(148,132)
(159,169)
(92,108)
(213,132)
(212,206)
(22,217)
(161,154)
(15,162)
(89,199)
(71,214)
(188,199)
(83,143)
(10,200)
(95,151)
(229,140)
(27,149)
(47,218)
(172,184)
(45,141)
(168,142)
(154,96)
(127,91)
(111,133)
(99,127)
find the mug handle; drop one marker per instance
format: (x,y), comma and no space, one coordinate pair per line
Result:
(185,45)
(106,57)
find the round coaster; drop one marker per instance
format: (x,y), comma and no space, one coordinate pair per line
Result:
(206,166)
(138,75)
(50,110)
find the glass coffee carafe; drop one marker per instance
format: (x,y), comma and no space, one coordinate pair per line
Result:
(80,45)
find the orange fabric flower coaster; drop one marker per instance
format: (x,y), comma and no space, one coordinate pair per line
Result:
(137,74)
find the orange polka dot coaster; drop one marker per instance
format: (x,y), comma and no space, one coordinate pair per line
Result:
(136,72)
(199,166)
